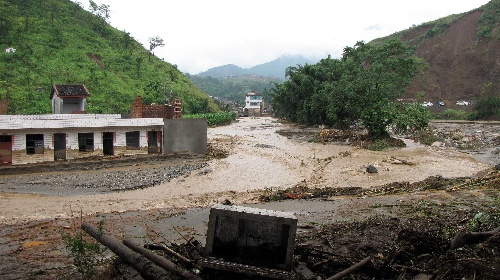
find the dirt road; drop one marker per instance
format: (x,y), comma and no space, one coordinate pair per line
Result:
(143,199)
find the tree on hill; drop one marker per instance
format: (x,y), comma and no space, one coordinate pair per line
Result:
(362,85)
(155,42)
(8,19)
(102,11)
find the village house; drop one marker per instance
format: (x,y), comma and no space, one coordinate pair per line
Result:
(69,133)
(38,138)
(10,50)
(254,103)
(69,99)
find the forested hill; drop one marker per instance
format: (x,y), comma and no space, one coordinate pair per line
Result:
(59,42)
(231,82)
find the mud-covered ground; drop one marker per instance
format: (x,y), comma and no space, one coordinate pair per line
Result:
(90,177)
(404,217)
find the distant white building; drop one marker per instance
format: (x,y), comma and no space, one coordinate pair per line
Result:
(254,102)
(10,50)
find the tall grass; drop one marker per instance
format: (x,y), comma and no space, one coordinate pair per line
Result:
(451,114)
(214,119)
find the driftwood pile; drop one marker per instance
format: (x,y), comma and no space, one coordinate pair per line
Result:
(399,249)
(148,264)
(153,266)
(311,262)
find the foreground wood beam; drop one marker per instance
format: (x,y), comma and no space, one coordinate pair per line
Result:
(351,269)
(465,238)
(146,268)
(161,261)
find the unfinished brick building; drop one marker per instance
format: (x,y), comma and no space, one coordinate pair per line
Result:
(166,111)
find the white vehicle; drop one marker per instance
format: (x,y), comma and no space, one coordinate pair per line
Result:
(427,104)
(462,103)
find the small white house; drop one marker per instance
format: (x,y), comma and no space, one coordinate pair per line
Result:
(10,50)
(254,102)
(69,99)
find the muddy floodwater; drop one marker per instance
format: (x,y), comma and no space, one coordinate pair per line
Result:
(152,198)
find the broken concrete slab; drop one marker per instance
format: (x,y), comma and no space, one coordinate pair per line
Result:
(251,236)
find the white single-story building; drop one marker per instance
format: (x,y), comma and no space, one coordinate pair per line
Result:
(38,138)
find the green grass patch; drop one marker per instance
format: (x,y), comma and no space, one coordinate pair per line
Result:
(451,114)
(214,119)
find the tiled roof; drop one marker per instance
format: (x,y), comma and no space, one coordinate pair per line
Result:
(69,91)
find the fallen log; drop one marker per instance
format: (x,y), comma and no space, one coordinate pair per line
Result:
(146,269)
(464,238)
(168,250)
(351,269)
(162,262)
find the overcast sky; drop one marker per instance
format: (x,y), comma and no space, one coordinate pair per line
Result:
(201,34)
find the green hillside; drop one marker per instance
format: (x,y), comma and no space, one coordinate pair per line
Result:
(488,27)
(59,42)
(461,52)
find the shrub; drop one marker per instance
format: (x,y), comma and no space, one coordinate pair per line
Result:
(452,114)
(214,119)
(426,137)
(412,117)
(487,108)
(87,255)
(378,145)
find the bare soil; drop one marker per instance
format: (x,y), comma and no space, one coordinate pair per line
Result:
(458,50)
(404,216)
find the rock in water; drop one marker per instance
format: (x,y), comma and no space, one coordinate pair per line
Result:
(371,169)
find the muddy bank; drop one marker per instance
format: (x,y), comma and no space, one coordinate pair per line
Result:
(98,180)
(255,160)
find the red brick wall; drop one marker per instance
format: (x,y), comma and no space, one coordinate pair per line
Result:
(176,109)
(136,107)
(154,111)
(168,111)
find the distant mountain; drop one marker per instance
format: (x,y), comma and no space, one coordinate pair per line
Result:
(275,68)
(228,70)
(461,53)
